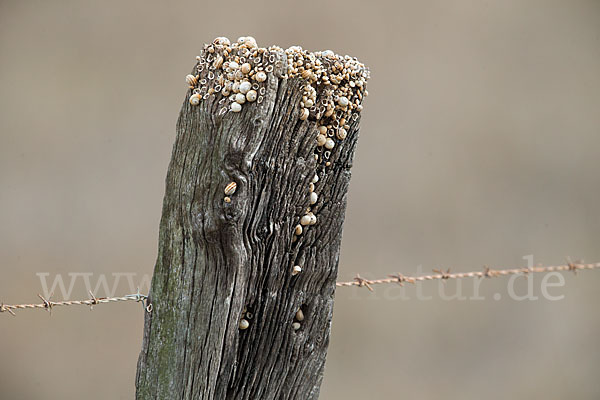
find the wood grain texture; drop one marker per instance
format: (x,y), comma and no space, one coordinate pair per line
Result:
(217,258)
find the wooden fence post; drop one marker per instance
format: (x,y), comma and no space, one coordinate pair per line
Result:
(243,287)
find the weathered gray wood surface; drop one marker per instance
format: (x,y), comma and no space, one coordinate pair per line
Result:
(217,258)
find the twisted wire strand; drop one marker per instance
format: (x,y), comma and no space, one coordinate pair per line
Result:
(486,273)
(48,305)
(358,281)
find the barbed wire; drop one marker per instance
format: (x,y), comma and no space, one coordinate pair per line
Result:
(359,281)
(486,273)
(91,302)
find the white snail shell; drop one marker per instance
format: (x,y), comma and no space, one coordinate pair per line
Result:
(240,98)
(321,139)
(236,107)
(305,220)
(250,42)
(304,114)
(343,101)
(245,87)
(261,76)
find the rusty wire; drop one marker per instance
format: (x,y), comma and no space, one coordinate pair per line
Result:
(47,304)
(486,273)
(358,281)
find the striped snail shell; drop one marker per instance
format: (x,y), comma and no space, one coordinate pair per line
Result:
(230,189)
(191,80)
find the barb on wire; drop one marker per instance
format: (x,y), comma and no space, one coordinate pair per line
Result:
(486,273)
(47,303)
(4,308)
(362,282)
(93,300)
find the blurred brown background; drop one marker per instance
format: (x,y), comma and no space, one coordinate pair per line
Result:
(479,146)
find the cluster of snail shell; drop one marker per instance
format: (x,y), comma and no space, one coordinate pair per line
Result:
(298,318)
(333,92)
(245,319)
(236,71)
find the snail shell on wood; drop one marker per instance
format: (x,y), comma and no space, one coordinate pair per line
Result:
(321,139)
(218,62)
(245,87)
(195,99)
(251,42)
(222,40)
(246,67)
(240,98)
(261,76)
(304,114)
(191,80)
(230,189)
(251,95)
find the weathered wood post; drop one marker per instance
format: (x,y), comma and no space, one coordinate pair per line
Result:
(251,225)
